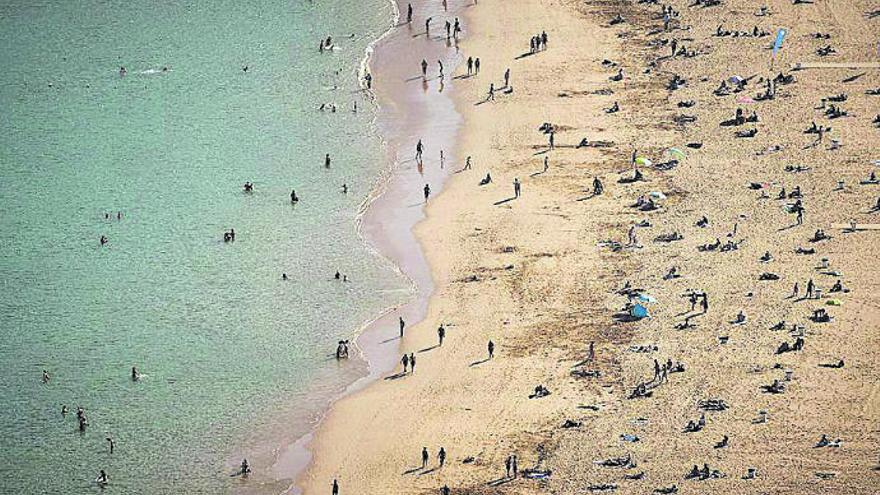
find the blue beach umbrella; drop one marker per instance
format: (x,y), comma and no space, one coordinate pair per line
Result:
(639,311)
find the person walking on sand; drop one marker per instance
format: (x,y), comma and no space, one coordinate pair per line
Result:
(428,27)
(335,487)
(810,288)
(491,96)
(425,457)
(507,78)
(442,456)
(441,333)
(515,468)
(427,191)
(402,325)
(470,65)
(477,65)
(467,163)
(405,362)
(517,186)
(552,139)
(508,465)
(491,347)
(412,363)
(597,186)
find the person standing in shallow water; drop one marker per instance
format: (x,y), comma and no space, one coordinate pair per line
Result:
(327,160)
(409,13)
(427,192)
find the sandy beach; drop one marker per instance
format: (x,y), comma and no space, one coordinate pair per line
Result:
(744,389)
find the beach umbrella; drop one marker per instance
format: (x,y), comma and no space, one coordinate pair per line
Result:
(639,311)
(643,161)
(646,298)
(677,153)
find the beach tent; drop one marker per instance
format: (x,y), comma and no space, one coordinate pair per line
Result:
(644,161)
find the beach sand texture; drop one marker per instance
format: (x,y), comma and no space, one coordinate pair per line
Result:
(533,274)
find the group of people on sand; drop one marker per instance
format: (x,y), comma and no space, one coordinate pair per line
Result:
(649,203)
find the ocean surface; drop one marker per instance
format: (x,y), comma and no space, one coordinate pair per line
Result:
(224,345)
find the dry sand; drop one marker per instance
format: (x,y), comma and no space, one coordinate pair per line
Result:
(530,274)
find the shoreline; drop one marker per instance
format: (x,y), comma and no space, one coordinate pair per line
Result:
(381,226)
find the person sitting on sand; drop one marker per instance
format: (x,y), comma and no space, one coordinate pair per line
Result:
(486,180)
(597,186)
(820,235)
(540,391)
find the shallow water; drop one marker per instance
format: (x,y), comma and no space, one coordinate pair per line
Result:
(221,340)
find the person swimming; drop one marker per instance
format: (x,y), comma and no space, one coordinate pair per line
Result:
(135,374)
(293,196)
(102,478)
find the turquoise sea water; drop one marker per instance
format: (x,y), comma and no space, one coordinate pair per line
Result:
(220,339)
